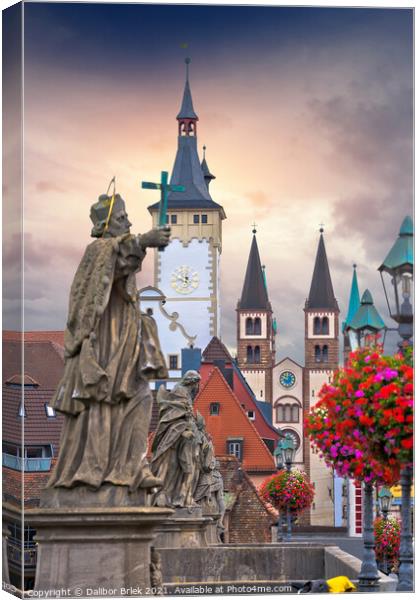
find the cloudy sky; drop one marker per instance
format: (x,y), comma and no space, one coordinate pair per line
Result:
(307,119)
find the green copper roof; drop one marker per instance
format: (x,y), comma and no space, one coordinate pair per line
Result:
(367,317)
(354,301)
(401,253)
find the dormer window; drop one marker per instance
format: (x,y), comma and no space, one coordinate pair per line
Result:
(251,415)
(214,409)
(22,411)
(50,412)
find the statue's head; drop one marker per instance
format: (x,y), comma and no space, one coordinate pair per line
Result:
(192,379)
(105,224)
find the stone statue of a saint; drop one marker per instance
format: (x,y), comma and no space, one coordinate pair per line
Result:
(209,492)
(176,445)
(111,351)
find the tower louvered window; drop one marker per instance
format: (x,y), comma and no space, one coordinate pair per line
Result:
(317,326)
(257,354)
(257,326)
(249,326)
(325,353)
(325,329)
(317,354)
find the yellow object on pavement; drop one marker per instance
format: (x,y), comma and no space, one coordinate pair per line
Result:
(338,585)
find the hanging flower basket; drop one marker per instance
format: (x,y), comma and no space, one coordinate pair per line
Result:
(387,542)
(286,490)
(363,423)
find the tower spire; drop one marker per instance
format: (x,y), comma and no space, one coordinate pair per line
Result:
(254,291)
(208,176)
(354,300)
(321,294)
(187,118)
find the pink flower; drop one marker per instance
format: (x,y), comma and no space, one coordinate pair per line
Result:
(359,394)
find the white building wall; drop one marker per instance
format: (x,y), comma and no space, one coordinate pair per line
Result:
(321,475)
(256,381)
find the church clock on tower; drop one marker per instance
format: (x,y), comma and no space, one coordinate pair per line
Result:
(187,273)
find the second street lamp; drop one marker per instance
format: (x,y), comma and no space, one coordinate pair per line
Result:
(288,448)
(367,322)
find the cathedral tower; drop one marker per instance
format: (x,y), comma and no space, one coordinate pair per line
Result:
(321,359)
(255,329)
(187,273)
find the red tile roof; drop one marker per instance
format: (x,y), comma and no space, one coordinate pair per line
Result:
(35,336)
(247,399)
(43,370)
(216,350)
(232,422)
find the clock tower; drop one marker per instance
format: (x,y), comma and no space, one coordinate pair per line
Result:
(187,273)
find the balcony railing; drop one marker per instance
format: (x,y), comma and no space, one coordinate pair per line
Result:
(26,464)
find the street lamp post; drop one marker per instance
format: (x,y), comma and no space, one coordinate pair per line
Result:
(289,451)
(368,576)
(405,574)
(284,456)
(278,457)
(385,501)
(398,265)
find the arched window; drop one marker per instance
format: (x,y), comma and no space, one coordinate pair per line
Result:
(249,326)
(279,413)
(325,353)
(325,329)
(317,354)
(257,326)
(249,354)
(287,413)
(257,354)
(317,325)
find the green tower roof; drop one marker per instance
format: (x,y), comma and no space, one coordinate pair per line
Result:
(401,253)
(367,317)
(354,301)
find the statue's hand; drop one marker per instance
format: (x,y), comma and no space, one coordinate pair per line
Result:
(156,238)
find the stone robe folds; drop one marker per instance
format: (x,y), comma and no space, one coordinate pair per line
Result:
(176,448)
(111,350)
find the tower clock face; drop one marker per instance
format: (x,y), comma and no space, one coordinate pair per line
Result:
(184,279)
(287,379)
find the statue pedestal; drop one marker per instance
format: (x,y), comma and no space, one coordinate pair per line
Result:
(95,551)
(186,528)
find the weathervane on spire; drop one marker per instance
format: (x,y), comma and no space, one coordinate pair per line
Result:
(321,227)
(187,63)
(254,228)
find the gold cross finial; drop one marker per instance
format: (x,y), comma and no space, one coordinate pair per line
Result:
(254,228)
